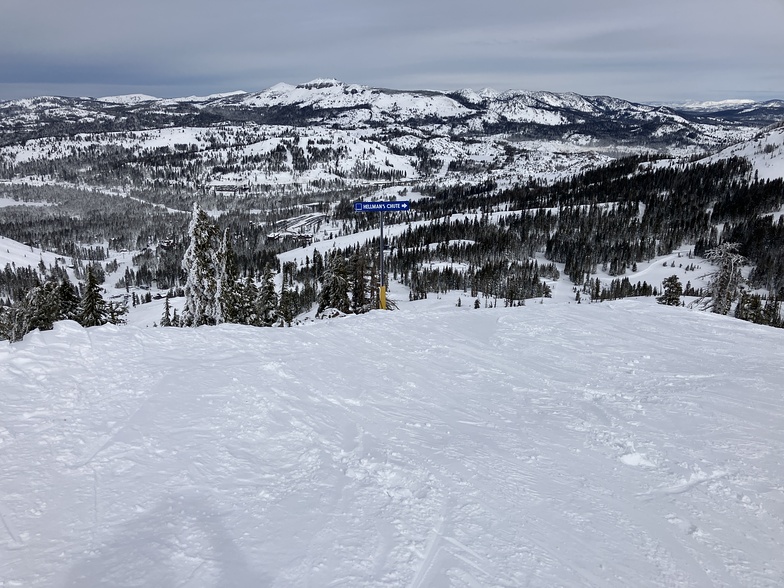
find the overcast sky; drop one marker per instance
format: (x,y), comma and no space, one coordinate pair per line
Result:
(664,50)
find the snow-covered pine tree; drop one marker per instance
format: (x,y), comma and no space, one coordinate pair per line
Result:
(92,310)
(285,305)
(229,290)
(335,285)
(38,309)
(115,312)
(325,294)
(340,284)
(725,283)
(267,300)
(6,325)
(43,306)
(201,269)
(166,318)
(359,268)
(69,299)
(318,265)
(772,313)
(247,294)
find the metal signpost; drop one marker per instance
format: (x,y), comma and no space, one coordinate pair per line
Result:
(382,207)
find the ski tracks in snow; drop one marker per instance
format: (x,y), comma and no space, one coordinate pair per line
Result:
(452,448)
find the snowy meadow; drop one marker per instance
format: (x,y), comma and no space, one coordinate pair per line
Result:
(614,444)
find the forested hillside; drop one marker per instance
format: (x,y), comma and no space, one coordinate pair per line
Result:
(500,244)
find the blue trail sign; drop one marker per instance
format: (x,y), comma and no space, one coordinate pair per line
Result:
(396,206)
(382,207)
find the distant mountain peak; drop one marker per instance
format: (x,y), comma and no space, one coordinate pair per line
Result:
(128,99)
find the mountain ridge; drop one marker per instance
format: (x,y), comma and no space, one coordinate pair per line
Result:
(327,135)
(469,93)
(403,134)
(325,99)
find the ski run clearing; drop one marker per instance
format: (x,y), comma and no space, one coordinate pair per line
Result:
(615,444)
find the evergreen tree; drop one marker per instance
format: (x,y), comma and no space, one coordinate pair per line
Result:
(38,309)
(92,310)
(166,318)
(772,313)
(318,265)
(69,298)
(42,306)
(202,269)
(339,285)
(334,290)
(98,272)
(325,294)
(6,324)
(286,305)
(725,283)
(245,311)
(115,312)
(267,300)
(672,291)
(358,270)
(749,308)
(229,290)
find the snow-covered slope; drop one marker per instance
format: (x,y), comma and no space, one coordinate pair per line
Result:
(20,255)
(623,444)
(765,152)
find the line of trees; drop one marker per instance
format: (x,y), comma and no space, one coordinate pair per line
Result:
(215,293)
(58,299)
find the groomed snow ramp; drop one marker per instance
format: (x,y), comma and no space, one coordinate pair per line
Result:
(607,445)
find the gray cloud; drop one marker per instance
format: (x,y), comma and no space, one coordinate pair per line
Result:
(669,50)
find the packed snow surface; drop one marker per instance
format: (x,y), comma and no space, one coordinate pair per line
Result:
(623,444)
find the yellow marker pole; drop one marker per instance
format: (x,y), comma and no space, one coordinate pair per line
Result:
(382,287)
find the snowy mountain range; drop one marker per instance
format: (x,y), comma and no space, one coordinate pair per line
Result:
(327,134)
(341,105)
